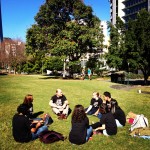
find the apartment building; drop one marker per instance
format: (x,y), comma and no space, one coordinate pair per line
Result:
(126,9)
(132,7)
(116,9)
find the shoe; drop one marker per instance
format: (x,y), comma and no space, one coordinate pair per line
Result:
(90,138)
(97,132)
(60,117)
(64,116)
(59,114)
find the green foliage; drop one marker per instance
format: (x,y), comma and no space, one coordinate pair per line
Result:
(130,49)
(53,63)
(14,88)
(138,43)
(131,75)
(64,28)
(115,55)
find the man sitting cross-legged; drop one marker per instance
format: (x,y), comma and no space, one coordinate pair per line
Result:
(59,104)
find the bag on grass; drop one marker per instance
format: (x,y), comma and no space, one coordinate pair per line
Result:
(50,137)
(139,121)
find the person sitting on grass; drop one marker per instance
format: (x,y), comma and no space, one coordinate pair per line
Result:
(28,101)
(59,104)
(118,114)
(22,128)
(107,125)
(108,101)
(80,130)
(96,101)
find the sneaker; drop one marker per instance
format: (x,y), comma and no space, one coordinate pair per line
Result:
(90,138)
(64,116)
(60,118)
(97,132)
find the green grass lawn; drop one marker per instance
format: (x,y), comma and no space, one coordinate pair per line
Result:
(14,88)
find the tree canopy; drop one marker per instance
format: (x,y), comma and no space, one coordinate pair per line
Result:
(130,48)
(65,28)
(138,43)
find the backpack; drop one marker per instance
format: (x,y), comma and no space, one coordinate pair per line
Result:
(139,121)
(50,137)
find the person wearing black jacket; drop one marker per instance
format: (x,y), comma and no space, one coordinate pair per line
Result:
(22,128)
(107,124)
(80,130)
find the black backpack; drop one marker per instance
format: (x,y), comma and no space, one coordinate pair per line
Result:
(50,137)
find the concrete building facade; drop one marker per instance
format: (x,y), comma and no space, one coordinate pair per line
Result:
(126,9)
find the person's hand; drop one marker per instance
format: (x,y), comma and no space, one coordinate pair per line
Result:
(95,114)
(38,124)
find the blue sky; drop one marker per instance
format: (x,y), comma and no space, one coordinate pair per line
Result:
(18,15)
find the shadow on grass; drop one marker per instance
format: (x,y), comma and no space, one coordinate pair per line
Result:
(133,82)
(3,74)
(50,77)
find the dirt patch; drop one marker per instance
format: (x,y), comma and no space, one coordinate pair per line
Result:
(129,87)
(123,87)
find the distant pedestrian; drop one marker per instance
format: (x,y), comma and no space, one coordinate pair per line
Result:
(83,74)
(89,73)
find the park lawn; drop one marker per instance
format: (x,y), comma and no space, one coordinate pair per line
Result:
(14,88)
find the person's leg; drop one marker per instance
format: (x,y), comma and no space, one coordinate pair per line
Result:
(118,123)
(89,132)
(55,110)
(65,111)
(41,129)
(99,115)
(105,132)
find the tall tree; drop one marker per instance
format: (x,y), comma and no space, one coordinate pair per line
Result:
(115,55)
(138,43)
(12,54)
(64,28)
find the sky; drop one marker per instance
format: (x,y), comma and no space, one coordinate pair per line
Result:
(18,15)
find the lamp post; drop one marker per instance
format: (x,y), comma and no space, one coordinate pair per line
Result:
(128,74)
(42,67)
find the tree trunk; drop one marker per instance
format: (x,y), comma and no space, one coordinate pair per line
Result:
(145,80)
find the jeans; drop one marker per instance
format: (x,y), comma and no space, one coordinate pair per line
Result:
(39,130)
(99,115)
(89,132)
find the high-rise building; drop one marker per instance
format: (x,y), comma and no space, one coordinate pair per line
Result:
(126,9)
(116,9)
(1,28)
(132,7)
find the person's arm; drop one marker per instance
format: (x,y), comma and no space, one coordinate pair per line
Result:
(36,127)
(52,104)
(65,104)
(100,128)
(89,108)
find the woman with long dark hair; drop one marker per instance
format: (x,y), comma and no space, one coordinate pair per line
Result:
(80,131)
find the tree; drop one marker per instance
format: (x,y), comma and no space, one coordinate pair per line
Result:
(138,43)
(12,54)
(115,55)
(65,28)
